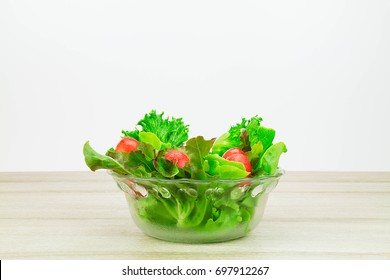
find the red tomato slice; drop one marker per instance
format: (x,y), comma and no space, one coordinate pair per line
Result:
(126,145)
(233,151)
(243,159)
(177,157)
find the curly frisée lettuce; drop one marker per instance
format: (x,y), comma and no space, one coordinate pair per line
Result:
(170,131)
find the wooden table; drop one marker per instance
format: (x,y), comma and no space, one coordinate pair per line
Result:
(83,215)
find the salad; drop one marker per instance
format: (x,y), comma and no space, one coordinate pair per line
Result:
(161,148)
(191,185)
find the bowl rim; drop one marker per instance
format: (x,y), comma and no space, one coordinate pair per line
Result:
(279,172)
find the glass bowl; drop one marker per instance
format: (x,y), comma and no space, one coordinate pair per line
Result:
(196,211)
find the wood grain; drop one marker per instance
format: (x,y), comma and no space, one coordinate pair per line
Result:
(83,215)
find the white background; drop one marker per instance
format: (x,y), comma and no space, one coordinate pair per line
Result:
(316,71)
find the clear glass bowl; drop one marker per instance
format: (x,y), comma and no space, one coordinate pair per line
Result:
(196,211)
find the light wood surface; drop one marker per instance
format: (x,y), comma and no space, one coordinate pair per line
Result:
(83,215)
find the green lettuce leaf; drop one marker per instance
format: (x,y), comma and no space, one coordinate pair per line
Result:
(255,153)
(154,209)
(138,158)
(169,130)
(136,163)
(165,167)
(233,138)
(150,138)
(197,148)
(270,159)
(221,168)
(133,134)
(141,172)
(245,141)
(244,135)
(262,134)
(147,150)
(222,144)
(96,161)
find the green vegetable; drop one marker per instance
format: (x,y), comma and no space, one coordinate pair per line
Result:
(164,152)
(169,130)
(162,134)
(148,150)
(133,134)
(256,140)
(236,136)
(254,154)
(221,168)
(178,205)
(197,148)
(222,144)
(96,161)
(269,161)
(164,166)
(150,138)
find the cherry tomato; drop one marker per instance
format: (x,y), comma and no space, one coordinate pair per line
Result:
(241,158)
(233,151)
(177,157)
(126,145)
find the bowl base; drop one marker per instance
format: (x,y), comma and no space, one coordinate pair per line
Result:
(183,235)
